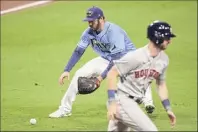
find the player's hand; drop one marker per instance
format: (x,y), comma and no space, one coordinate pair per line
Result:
(112,110)
(63,76)
(172,117)
(99,79)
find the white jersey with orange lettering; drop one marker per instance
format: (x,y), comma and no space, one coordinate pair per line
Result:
(137,70)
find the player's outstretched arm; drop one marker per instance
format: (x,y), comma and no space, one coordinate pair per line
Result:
(163,94)
(104,73)
(112,89)
(78,52)
(113,57)
(64,75)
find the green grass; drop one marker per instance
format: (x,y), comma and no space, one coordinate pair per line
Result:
(36,44)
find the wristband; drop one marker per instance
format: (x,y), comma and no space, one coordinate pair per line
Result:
(111,95)
(166,104)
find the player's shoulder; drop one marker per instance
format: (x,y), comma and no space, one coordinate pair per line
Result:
(138,54)
(139,51)
(86,31)
(113,26)
(164,56)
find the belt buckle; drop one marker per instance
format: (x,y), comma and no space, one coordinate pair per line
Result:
(139,101)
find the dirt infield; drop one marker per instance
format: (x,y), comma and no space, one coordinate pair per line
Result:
(7,4)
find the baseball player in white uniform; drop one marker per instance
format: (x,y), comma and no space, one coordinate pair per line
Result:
(137,70)
(110,42)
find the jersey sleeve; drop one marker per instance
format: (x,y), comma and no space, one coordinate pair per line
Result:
(162,76)
(84,40)
(127,63)
(116,39)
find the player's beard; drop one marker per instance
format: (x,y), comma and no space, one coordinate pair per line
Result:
(98,25)
(162,47)
(95,26)
(165,43)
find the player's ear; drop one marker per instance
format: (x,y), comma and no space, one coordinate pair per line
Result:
(102,18)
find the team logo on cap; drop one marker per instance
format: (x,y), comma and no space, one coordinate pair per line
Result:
(89,13)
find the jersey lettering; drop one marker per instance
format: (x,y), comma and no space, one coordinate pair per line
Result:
(147,73)
(104,47)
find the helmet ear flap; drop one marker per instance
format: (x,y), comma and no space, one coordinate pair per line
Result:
(161,40)
(156,37)
(157,40)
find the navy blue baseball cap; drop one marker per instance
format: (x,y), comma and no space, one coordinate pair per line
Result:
(93,13)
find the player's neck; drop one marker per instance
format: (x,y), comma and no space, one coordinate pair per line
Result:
(101,26)
(154,51)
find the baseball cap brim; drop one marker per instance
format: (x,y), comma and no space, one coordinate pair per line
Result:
(172,35)
(88,19)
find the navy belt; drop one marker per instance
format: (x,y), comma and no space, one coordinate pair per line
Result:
(139,101)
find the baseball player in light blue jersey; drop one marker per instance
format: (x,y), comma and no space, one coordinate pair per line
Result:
(110,42)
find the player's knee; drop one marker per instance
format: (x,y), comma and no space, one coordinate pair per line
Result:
(85,73)
(145,126)
(151,128)
(80,73)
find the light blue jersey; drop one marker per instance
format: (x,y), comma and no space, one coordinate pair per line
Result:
(111,43)
(111,40)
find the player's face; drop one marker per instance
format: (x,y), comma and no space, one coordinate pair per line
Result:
(165,44)
(93,24)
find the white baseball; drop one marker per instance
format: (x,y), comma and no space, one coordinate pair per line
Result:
(33,121)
